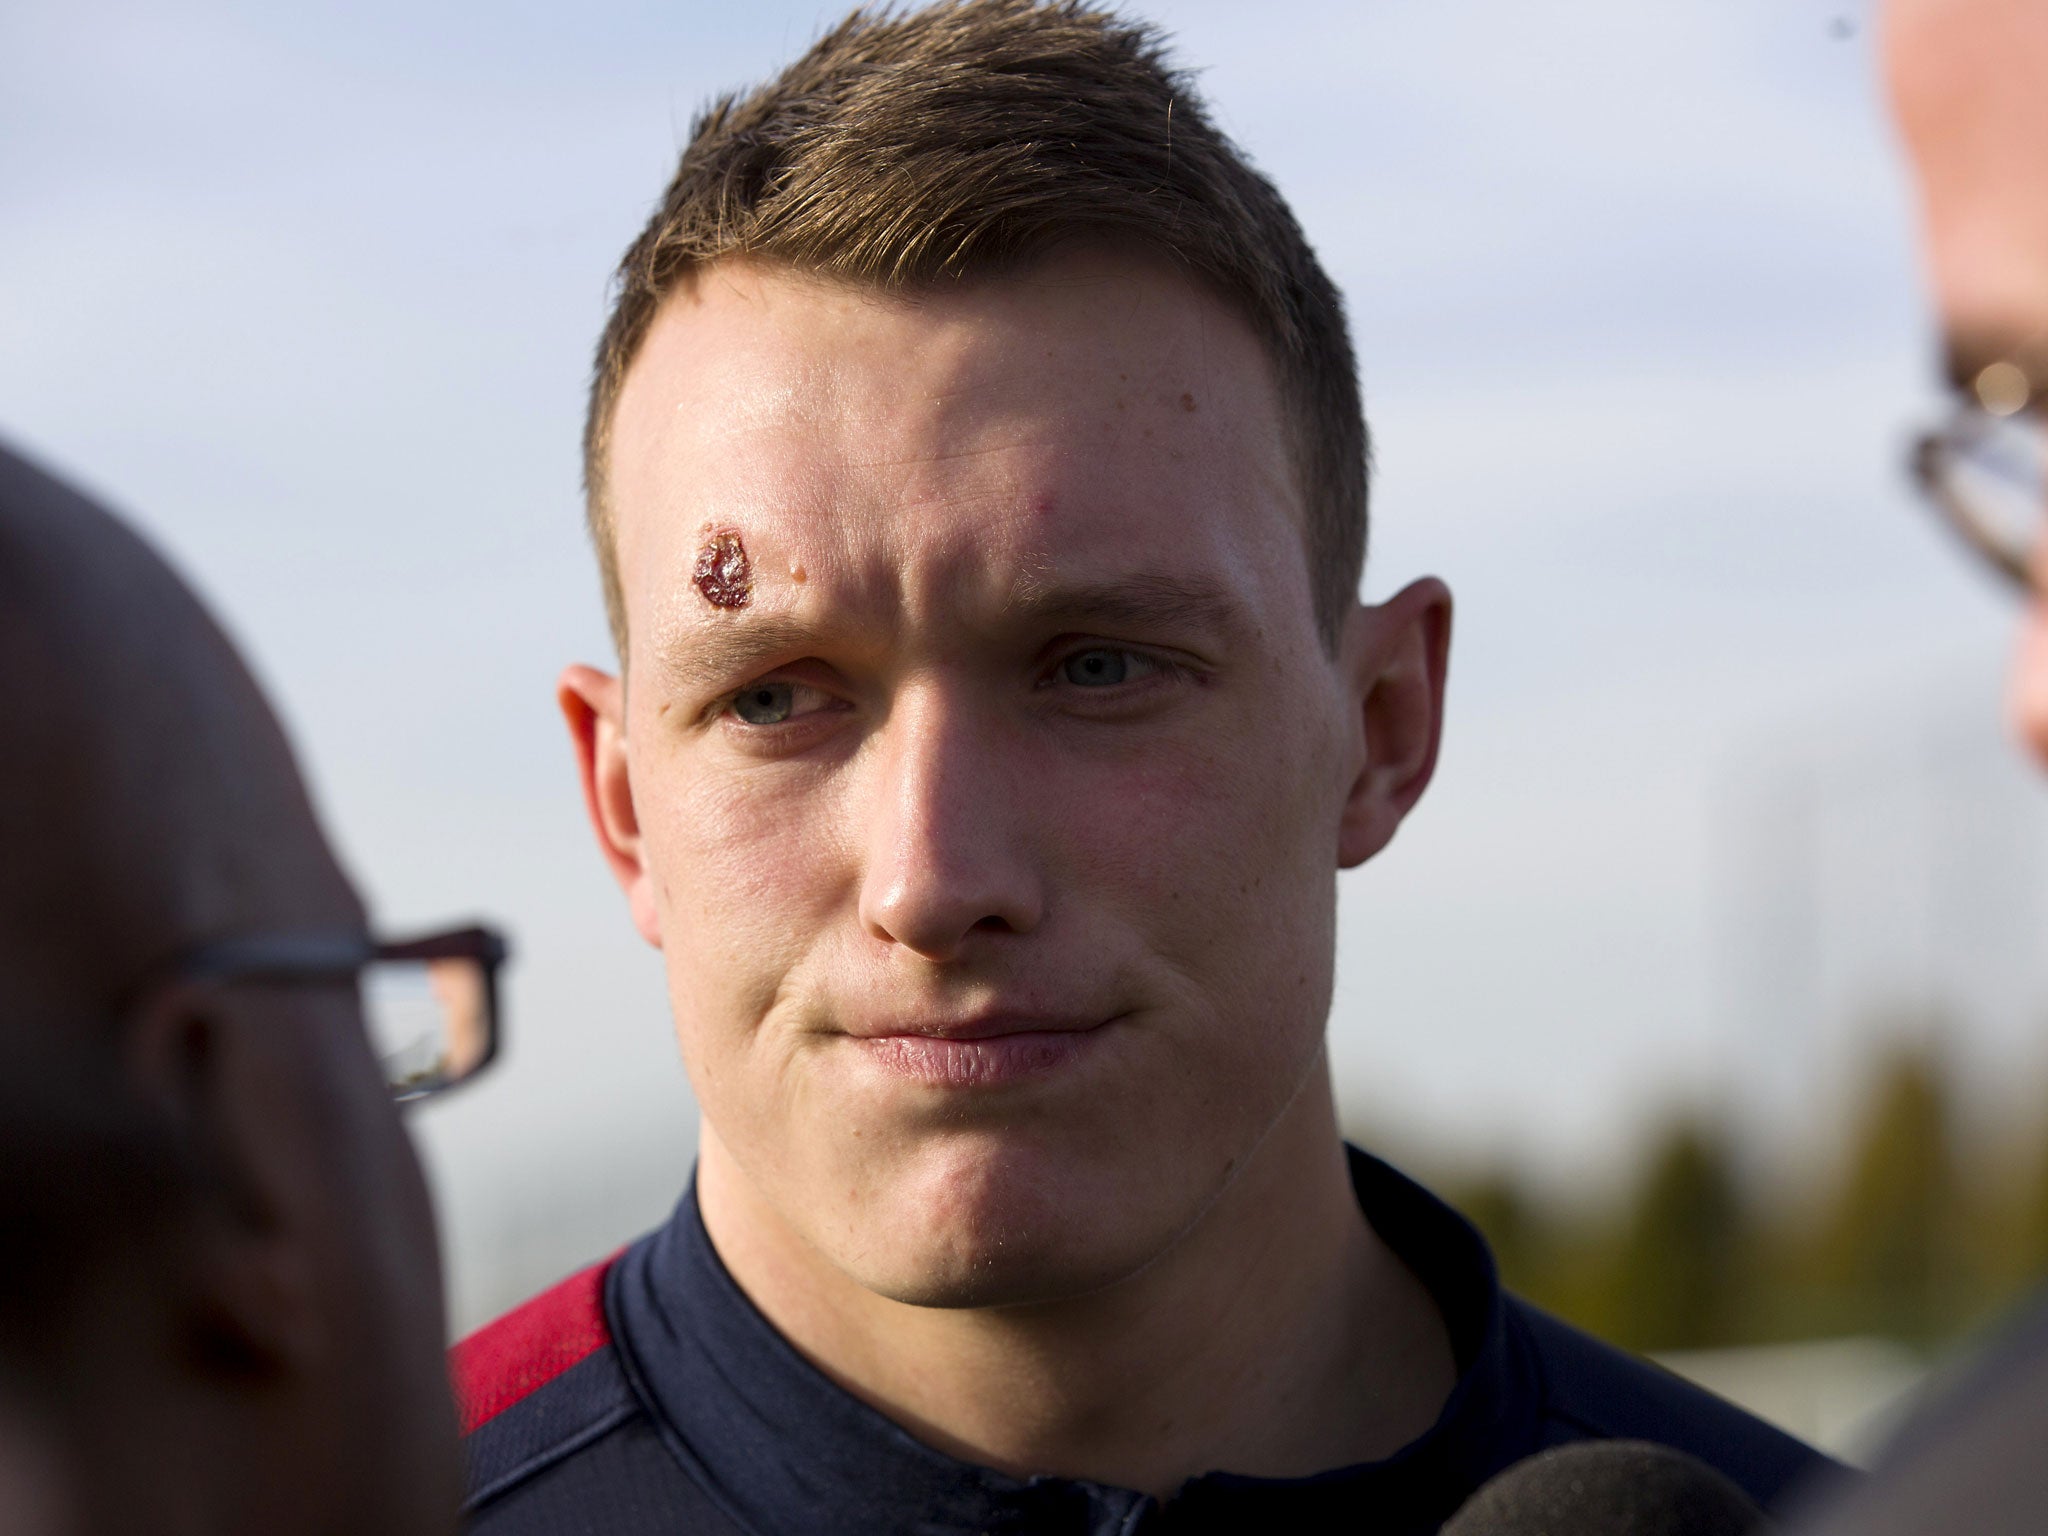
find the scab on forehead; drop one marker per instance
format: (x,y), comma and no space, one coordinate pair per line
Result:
(723,577)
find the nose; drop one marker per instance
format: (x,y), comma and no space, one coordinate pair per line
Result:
(948,855)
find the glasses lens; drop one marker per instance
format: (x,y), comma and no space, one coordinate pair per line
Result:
(430,1021)
(1995,474)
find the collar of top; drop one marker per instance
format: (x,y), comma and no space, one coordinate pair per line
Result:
(782,1448)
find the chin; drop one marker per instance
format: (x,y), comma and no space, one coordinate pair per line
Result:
(1001,1227)
(950,1275)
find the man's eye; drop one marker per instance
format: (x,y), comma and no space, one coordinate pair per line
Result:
(775,703)
(1105,668)
(765,703)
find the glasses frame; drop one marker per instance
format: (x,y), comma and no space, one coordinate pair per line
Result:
(1994,388)
(1932,457)
(317,957)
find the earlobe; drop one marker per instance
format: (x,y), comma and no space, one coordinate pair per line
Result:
(593,703)
(1395,658)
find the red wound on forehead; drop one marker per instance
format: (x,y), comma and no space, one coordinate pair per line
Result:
(722,573)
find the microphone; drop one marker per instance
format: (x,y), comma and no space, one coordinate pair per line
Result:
(1608,1488)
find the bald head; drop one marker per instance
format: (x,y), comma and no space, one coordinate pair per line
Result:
(223,1309)
(1967,84)
(148,800)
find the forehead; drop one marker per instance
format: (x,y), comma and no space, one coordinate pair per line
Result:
(1095,415)
(1965,79)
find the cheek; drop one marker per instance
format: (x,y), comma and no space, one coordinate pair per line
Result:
(746,874)
(2027,693)
(1222,851)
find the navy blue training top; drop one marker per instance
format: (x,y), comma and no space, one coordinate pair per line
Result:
(648,1395)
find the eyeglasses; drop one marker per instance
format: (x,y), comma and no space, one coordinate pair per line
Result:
(430,1003)
(1986,471)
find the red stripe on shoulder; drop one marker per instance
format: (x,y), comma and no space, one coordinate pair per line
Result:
(530,1346)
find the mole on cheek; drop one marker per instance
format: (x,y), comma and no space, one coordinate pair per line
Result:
(723,576)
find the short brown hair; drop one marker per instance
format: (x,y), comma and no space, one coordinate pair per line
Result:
(965,138)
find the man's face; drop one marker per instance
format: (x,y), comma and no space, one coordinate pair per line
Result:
(1967,82)
(991,843)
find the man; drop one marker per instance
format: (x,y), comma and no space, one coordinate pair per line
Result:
(1965,79)
(977,474)
(222,1309)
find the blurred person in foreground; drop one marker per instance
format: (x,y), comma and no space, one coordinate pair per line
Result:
(1969,86)
(978,478)
(221,1307)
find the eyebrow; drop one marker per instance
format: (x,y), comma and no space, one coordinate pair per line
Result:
(695,660)
(1140,601)
(740,647)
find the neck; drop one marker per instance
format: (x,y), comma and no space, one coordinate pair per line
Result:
(1277,1338)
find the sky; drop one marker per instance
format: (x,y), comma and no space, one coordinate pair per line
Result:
(309,293)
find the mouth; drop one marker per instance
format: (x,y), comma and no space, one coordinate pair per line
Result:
(991,1052)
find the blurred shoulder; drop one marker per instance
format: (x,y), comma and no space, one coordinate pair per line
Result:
(1972,1460)
(1592,1390)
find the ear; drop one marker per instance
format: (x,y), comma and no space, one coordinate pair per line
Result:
(246,1292)
(1394,658)
(594,705)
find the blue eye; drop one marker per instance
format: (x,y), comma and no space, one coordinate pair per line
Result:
(765,703)
(1103,668)
(775,702)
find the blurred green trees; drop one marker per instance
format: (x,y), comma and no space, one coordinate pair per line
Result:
(1680,1260)
(1911,1230)
(1891,1250)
